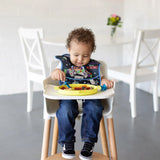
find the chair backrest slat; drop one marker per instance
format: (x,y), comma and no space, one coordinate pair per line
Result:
(150,33)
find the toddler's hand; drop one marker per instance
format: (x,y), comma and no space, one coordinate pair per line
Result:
(58,74)
(108,83)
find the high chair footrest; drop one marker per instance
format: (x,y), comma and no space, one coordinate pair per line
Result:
(96,156)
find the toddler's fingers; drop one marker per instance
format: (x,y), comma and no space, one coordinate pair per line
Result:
(114,80)
(110,84)
(60,77)
(63,77)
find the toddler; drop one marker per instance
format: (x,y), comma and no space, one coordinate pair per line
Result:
(78,67)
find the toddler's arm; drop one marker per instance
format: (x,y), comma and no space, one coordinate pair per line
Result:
(58,74)
(108,83)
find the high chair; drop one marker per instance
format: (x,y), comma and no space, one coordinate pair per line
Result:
(52,99)
(144,67)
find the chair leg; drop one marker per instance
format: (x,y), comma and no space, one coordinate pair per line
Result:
(55,137)
(112,140)
(45,114)
(29,96)
(46,136)
(104,138)
(133,100)
(155,96)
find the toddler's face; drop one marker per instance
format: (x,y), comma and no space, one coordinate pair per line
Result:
(80,53)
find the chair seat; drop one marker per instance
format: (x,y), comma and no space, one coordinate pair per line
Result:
(123,73)
(96,156)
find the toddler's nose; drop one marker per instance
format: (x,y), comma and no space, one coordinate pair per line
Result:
(80,59)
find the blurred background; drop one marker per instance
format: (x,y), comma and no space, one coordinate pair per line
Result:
(57,18)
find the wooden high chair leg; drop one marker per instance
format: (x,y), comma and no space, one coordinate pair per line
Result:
(46,136)
(55,137)
(112,140)
(104,138)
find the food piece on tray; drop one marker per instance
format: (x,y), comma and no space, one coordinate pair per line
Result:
(82,87)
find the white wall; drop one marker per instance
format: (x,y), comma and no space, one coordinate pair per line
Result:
(57,18)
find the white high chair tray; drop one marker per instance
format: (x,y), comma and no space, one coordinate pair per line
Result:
(51,93)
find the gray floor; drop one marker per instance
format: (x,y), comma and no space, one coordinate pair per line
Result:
(137,139)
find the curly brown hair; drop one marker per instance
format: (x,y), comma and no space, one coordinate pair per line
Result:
(84,35)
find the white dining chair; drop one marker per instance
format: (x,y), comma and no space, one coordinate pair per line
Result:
(35,60)
(52,104)
(144,67)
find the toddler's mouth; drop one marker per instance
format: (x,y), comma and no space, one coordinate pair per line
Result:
(79,64)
